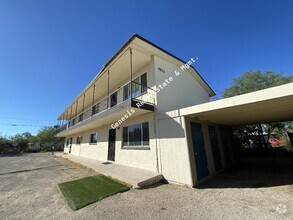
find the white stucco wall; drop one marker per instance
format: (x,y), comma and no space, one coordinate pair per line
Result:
(183,91)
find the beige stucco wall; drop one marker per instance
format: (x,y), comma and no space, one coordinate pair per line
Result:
(141,158)
(173,151)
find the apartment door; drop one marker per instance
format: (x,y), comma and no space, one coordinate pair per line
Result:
(70,144)
(215,148)
(111,144)
(201,162)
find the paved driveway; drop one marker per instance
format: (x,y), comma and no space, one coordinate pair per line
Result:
(28,190)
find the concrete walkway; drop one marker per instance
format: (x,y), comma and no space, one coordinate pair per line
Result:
(137,178)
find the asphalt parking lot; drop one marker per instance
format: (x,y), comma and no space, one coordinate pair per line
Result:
(28,190)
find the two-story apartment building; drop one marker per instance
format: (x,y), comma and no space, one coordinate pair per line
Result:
(129,114)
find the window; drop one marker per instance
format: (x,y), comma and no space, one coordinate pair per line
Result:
(136,135)
(143,82)
(139,86)
(94,138)
(79,140)
(126,92)
(113,99)
(80,117)
(69,141)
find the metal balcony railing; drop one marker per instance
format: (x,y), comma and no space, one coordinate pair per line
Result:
(140,93)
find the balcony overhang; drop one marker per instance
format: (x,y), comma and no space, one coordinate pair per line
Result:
(108,117)
(113,74)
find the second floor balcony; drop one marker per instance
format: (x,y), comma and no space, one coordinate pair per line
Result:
(132,97)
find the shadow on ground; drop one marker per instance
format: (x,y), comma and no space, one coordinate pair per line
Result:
(255,172)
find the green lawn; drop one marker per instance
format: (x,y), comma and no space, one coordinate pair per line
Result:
(85,191)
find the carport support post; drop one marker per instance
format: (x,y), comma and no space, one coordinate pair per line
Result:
(94,90)
(83,105)
(130,73)
(62,121)
(66,119)
(76,109)
(70,114)
(108,89)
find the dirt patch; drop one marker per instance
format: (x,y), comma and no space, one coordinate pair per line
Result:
(35,195)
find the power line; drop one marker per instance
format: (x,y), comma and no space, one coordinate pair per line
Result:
(21,125)
(28,119)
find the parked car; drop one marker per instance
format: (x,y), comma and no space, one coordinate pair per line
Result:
(274,142)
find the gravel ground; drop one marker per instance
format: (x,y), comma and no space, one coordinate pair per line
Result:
(28,190)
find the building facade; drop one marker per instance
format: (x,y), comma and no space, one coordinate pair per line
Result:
(130,114)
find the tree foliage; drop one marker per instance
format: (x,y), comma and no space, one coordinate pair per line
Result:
(259,134)
(46,134)
(256,80)
(22,140)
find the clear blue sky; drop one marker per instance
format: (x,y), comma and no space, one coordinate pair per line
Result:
(51,49)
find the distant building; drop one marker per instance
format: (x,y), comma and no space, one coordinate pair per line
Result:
(11,148)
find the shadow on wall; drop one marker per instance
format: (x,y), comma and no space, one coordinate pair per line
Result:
(255,172)
(171,128)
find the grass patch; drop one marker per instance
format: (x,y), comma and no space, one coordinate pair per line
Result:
(82,192)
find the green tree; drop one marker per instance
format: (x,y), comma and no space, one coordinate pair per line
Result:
(249,82)
(22,140)
(256,80)
(3,141)
(47,134)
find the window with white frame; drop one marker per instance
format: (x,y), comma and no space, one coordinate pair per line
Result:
(136,135)
(78,140)
(94,138)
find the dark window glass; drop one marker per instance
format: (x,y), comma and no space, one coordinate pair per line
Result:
(136,135)
(145,132)
(143,83)
(134,132)
(94,138)
(113,99)
(135,87)
(80,118)
(125,136)
(126,92)
(94,109)
(79,140)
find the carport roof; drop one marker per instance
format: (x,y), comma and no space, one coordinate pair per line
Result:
(269,105)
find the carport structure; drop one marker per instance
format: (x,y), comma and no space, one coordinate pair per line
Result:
(208,126)
(264,106)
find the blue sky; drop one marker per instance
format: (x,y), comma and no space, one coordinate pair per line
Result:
(50,50)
